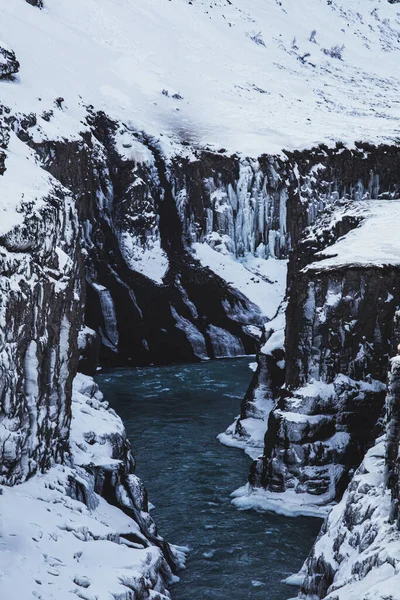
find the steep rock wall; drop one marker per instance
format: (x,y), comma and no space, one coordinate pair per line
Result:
(356,554)
(63,446)
(339,337)
(148,297)
(41,311)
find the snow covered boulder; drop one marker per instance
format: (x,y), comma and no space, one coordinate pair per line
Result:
(9,65)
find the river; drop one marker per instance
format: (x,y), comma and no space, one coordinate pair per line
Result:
(172,416)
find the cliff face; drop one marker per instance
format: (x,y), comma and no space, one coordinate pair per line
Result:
(156,235)
(356,554)
(150,295)
(342,296)
(58,440)
(41,312)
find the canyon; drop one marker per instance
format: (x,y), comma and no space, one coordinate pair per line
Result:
(131,239)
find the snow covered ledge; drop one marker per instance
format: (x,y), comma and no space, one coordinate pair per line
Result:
(60,537)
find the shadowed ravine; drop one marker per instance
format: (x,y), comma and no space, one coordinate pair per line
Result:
(172,416)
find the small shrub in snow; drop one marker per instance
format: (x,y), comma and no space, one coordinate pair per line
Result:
(165,93)
(257,38)
(334,52)
(312,36)
(303,58)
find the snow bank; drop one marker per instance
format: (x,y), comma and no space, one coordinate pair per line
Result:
(61,539)
(287,503)
(375,242)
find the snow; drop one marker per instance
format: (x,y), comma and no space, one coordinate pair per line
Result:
(288,503)
(251,438)
(149,260)
(261,280)
(375,242)
(60,549)
(246,96)
(23,181)
(55,547)
(370,567)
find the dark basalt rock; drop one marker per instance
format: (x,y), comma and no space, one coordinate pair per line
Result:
(151,323)
(38,3)
(325,340)
(41,309)
(9,65)
(393,435)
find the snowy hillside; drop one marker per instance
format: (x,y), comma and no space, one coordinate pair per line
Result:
(246,76)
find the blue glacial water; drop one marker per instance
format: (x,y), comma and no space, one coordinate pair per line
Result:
(172,417)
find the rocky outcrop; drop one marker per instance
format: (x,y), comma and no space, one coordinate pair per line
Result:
(89,533)
(356,554)
(339,337)
(9,64)
(248,430)
(67,451)
(41,310)
(99,446)
(38,3)
(148,296)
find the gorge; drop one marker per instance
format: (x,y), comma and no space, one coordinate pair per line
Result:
(147,223)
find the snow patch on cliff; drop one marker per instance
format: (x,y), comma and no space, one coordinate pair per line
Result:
(261,280)
(375,242)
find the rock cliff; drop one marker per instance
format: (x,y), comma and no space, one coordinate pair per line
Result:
(342,296)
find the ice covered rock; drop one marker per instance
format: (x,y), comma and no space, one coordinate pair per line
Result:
(357,553)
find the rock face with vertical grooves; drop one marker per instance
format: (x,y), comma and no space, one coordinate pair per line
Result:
(118,204)
(58,439)
(338,340)
(41,312)
(356,553)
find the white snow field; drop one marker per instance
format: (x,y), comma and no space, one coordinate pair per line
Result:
(248,76)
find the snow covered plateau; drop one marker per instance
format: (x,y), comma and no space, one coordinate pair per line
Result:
(183,180)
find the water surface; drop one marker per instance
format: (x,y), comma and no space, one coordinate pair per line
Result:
(172,417)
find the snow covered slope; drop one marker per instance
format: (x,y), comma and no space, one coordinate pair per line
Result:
(268,75)
(60,538)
